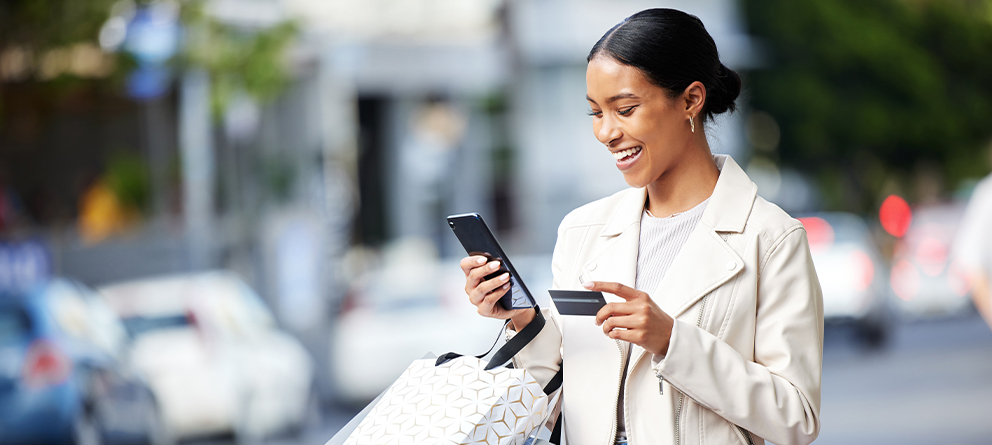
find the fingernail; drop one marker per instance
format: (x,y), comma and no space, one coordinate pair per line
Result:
(587,285)
(504,277)
(494,265)
(481,260)
(506,286)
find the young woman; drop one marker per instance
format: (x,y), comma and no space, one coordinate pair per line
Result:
(714,329)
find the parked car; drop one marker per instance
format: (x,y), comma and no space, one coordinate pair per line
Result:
(925,277)
(851,273)
(406,308)
(214,357)
(61,377)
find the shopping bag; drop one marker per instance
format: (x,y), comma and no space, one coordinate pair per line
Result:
(458,402)
(461,400)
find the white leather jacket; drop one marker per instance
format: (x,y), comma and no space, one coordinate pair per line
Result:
(745,355)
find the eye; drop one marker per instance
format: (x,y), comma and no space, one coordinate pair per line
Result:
(626,111)
(594,113)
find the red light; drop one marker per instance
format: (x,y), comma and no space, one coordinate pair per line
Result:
(819,232)
(895,216)
(45,365)
(905,280)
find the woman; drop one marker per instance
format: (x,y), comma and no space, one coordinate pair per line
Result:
(714,328)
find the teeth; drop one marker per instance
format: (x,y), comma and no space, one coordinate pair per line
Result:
(624,153)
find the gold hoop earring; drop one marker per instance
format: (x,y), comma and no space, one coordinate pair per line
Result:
(692,124)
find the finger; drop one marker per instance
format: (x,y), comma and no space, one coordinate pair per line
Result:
(613,323)
(492,285)
(612,310)
(471,262)
(634,336)
(617,289)
(478,291)
(478,295)
(495,295)
(479,273)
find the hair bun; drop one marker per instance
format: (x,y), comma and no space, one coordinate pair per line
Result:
(725,93)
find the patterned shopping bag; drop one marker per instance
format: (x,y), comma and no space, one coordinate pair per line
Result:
(463,400)
(458,402)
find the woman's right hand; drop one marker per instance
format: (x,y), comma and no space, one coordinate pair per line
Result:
(485,294)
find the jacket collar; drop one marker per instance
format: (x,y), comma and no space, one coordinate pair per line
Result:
(727,210)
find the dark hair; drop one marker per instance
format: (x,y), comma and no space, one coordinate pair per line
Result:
(673,50)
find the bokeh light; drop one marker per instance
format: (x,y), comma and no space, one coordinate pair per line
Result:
(895,215)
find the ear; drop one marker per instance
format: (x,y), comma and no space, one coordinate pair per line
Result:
(694,97)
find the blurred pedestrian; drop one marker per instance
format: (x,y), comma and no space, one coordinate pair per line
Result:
(714,329)
(973,245)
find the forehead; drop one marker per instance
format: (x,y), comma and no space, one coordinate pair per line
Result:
(605,78)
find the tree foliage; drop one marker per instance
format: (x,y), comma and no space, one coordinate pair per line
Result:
(238,59)
(867,91)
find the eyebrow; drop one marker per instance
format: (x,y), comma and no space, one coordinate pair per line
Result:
(616,97)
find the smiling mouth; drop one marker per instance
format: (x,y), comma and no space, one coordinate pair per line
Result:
(623,155)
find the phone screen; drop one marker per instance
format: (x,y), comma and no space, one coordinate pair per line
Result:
(518,297)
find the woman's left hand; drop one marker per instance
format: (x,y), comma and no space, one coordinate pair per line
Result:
(644,323)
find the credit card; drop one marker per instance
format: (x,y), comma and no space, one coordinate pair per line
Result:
(577,302)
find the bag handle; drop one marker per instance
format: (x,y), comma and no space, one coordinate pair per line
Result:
(511,348)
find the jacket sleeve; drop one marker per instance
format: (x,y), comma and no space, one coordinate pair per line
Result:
(777,395)
(542,356)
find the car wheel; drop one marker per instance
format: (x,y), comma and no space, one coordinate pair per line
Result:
(245,433)
(312,416)
(873,336)
(85,430)
(156,431)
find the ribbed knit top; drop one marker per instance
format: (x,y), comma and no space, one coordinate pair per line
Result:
(660,241)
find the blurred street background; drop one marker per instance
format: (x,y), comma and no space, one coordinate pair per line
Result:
(222,221)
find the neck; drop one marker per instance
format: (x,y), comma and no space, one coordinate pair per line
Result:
(683,187)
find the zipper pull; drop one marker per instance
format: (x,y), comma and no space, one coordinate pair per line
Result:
(661,384)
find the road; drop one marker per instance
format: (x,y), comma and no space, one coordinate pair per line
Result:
(931,385)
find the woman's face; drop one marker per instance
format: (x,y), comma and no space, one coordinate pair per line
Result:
(646,131)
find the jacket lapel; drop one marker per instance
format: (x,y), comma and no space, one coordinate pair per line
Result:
(706,261)
(617,260)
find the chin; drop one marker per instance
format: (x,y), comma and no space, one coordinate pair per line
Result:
(635,180)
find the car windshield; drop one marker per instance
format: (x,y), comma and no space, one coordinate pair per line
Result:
(136,326)
(14,323)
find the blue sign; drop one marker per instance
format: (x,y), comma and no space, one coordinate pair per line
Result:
(153,37)
(23,265)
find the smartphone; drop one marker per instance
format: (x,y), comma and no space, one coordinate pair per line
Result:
(577,302)
(477,239)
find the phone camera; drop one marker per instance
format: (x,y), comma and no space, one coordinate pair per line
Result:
(451,224)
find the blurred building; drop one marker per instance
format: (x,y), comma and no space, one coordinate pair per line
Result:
(400,112)
(479,106)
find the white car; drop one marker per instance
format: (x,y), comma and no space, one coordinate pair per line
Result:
(213,357)
(406,309)
(851,273)
(925,277)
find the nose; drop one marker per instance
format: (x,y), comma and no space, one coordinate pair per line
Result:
(608,130)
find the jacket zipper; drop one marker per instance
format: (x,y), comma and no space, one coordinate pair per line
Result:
(746,434)
(678,411)
(613,433)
